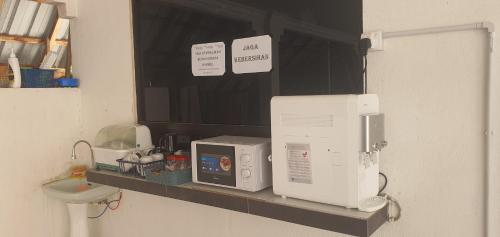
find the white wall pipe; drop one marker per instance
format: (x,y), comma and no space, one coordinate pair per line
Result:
(443,29)
(491,200)
(491,168)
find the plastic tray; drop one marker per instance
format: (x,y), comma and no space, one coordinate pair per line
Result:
(167,177)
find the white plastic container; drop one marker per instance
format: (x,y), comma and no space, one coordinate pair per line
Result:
(117,141)
(16,69)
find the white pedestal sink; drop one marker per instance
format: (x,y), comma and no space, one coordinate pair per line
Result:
(77,193)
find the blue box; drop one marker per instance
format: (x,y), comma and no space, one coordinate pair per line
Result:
(68,82)
(37,78)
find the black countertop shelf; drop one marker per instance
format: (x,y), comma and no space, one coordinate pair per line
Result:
(263,203)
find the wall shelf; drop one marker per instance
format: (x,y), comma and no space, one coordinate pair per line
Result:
(263,203)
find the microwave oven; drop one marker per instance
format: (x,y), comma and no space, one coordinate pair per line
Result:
(232,162)
(325,148)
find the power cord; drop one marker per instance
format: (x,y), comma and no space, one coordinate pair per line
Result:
(393,208)
(102,213)
(108,206)
(385,182)
(364,45)
(365,71)
(117,203)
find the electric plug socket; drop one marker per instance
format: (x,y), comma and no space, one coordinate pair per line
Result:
(376,38)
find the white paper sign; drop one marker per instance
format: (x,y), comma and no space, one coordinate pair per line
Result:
(208,59)
(252,54)
(299,163)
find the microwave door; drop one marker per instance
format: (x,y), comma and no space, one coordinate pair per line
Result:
(216,164)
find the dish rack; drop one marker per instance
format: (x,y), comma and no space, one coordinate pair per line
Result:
(138,169)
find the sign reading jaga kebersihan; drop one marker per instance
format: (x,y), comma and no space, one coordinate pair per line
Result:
(250,55)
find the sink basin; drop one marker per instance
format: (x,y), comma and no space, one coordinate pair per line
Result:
(77,193)
(73,190)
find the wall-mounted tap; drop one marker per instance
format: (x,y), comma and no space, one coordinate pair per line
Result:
(73,153)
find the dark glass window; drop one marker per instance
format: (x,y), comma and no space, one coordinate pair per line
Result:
(166,34)
(309,64)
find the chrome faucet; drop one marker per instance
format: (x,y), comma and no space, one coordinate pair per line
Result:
(73,153)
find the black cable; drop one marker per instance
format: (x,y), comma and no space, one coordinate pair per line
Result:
(112,202)
(393,203)
(108,206)
(385,183)
(117,201)
(365,71)
(102,213)
(364,45)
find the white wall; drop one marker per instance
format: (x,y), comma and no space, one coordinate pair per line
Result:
(431,88)
(38,128)
(103,59)
(433,97)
